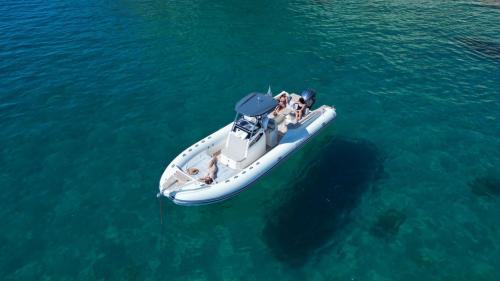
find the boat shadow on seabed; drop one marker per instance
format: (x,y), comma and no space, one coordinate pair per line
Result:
(322,198)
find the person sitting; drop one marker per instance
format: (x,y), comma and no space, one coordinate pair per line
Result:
(212,171)
(282,102)
(301,108)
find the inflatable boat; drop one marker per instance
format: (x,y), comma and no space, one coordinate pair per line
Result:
(265,131)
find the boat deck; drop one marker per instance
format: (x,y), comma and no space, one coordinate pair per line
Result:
(201,161)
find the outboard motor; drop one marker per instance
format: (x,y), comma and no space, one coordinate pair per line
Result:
(309,97)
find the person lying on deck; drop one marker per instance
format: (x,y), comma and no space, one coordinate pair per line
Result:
(212,171)
(282,102)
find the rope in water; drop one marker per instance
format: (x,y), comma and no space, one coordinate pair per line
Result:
(161,209)
(162,238)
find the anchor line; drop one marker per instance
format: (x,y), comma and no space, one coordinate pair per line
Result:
(161,209)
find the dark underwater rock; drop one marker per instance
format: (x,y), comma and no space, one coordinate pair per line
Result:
(481,46)
(491,3)
(322,199)
(388,223)
(488,186)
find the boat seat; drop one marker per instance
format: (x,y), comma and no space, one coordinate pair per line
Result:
(294,98)
(235,148)
(281,115)
(181,176)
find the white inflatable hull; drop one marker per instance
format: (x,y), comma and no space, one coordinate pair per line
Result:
(198,193)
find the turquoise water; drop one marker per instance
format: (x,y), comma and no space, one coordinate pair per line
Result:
(97,97)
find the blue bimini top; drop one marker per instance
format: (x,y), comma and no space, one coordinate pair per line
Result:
(255,104)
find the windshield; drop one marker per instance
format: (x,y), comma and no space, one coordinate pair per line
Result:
(245,123)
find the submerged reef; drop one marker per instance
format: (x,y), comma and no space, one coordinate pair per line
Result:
(482,47)
(488,186)
(491,3)
(387,224)
(321,199)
